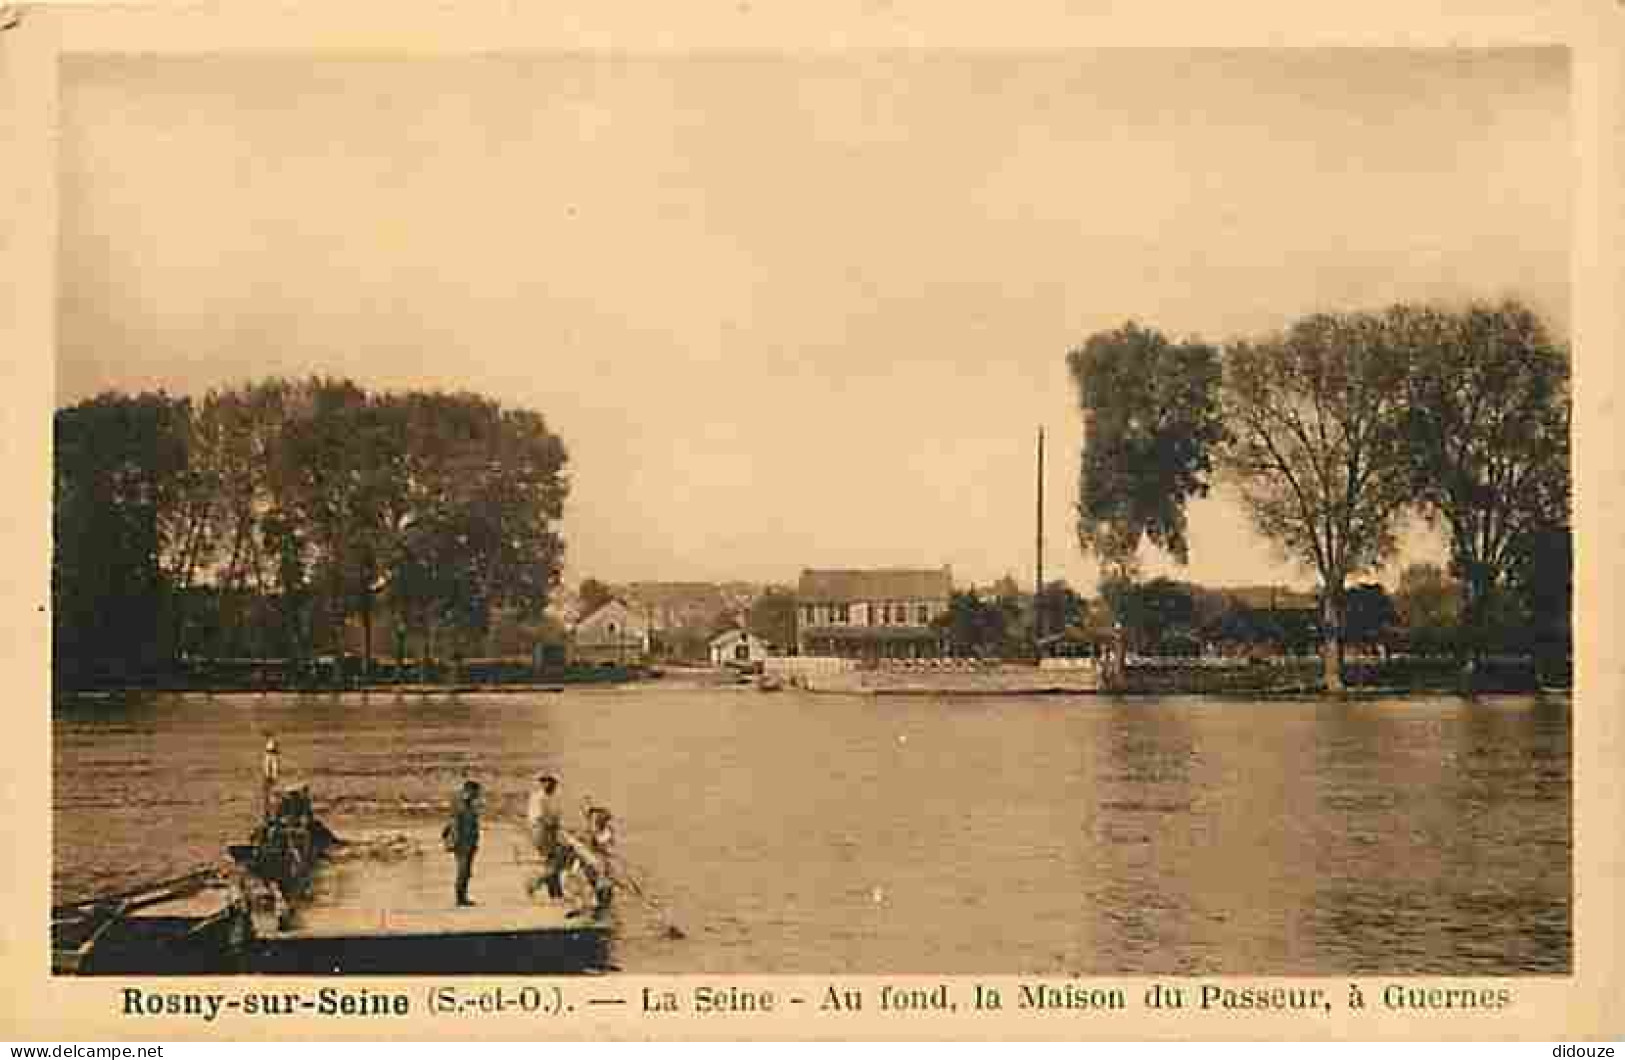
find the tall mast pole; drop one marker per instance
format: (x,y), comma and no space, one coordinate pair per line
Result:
(1038,587)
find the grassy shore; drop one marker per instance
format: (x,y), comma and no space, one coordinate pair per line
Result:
(1396,675)
(246,676)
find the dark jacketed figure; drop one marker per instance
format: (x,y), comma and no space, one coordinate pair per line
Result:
(463,836)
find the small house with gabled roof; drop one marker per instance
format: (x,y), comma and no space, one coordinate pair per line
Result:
(610,633)
(737,647)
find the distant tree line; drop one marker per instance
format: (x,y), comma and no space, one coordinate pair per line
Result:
(260,519)
(1331,432)
(1164,616)
(999,622)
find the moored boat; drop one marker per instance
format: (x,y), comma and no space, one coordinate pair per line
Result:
(192,924)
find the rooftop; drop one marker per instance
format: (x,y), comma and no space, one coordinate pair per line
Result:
(887,583)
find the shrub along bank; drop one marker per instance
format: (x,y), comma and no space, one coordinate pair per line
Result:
(1398,673)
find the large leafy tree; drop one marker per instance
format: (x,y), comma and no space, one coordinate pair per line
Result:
(772,616)
(191,523)
(295,507)
(484,489)
(121,471)
(239,433)
(1150,424)
(1541,580)
(1486,427)
(1317,451)
(335,468)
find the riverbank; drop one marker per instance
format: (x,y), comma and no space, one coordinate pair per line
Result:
(1295,676)
(1396,675)
(551,681)
(247,676)
(1143,677)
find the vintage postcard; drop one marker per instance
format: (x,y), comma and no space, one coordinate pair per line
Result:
(703,522)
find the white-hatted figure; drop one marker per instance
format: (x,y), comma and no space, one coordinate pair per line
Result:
(272,775)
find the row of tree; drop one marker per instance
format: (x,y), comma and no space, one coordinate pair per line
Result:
(1422,616)
(273,513)
(1331,432)
(1000,621)
(1164,616)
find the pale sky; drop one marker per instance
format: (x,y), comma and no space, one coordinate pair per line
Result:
(791,312)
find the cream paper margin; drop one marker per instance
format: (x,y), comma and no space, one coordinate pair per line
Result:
(36,1006)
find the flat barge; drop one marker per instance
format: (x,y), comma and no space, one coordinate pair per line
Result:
(395,915)
(377,904)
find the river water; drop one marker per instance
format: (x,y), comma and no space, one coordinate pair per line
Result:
(802,833)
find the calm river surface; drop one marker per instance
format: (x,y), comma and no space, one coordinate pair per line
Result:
(817,833)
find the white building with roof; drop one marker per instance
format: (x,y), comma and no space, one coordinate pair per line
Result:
(882,613)
(737,647)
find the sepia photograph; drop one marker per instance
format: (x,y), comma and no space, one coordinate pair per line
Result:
(1056,513)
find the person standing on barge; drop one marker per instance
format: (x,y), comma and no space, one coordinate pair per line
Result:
(271,774)
(543,817)
(462,835)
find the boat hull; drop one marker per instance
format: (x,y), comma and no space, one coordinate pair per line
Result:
(224,945)
(160,945)
(553,952)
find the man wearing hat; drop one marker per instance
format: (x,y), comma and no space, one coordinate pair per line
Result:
(542,813)
(272,773)
(463,835)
